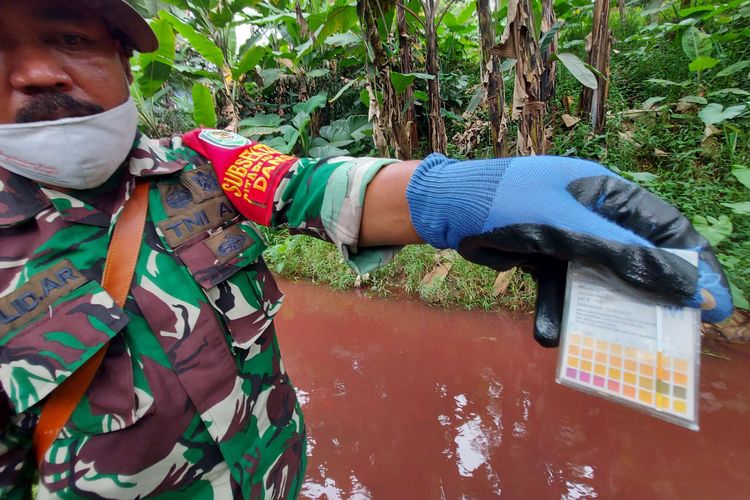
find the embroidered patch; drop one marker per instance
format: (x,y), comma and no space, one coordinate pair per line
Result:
(251,181)
(175,197)
(229,243)
(197,218)
(223,139)
(249,175)
(202,182)
(41,291)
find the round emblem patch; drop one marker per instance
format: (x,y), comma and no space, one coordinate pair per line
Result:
(223,139)
(231,245)
(179,197)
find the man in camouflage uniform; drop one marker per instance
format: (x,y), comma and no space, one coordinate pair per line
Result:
(192,399)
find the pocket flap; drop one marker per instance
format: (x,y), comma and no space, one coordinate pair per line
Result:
(221,255)
(37,357)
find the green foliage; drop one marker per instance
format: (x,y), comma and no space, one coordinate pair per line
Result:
(204,110)
(341,137)
(678,108)
(154,68)
(713,229)
(578,69)
(715,113)
(696,43)
(201,43)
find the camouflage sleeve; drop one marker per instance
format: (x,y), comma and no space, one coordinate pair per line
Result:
(318,197)
(324,198)
(16,465)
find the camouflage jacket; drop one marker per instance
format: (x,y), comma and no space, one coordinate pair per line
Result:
(192,398)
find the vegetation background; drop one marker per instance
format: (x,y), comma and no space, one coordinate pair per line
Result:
(656,90)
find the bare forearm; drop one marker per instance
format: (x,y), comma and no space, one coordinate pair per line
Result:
(385,218)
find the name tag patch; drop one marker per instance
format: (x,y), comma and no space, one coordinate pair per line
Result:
(41,291)
(198,218)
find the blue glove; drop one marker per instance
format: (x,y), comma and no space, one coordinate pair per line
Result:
(540,212)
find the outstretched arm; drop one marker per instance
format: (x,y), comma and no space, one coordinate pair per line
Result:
(540,212)
(536,213)
(385,218)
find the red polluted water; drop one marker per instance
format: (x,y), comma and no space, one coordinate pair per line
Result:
(404,401)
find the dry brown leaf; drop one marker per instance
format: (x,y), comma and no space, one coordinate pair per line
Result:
(443,263)
(567,103)
(735,329)
(570,120)
(660,153)
(502,281)
(709,131)
(439,271)
(684,106)
(626,136)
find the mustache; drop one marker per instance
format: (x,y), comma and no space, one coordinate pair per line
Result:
(47,107)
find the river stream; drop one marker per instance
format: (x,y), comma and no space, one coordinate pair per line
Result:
(404,401)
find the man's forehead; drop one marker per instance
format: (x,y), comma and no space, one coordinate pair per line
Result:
(56,11)
(72,11)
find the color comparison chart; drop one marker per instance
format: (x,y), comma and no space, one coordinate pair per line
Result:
(620,346)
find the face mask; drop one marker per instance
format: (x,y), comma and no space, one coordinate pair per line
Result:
(74,153)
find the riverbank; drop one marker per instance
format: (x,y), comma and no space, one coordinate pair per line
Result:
(441,279)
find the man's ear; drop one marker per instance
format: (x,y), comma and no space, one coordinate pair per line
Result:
(126,66)
(125,55)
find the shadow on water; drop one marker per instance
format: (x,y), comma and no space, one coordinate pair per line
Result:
(406,401)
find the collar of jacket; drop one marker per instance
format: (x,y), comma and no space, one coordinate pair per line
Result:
(22,199)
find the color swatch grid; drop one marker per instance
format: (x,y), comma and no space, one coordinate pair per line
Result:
(646,378)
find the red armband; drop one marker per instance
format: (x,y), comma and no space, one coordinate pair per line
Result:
(249,172)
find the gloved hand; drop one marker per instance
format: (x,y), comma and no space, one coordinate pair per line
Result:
(540,212)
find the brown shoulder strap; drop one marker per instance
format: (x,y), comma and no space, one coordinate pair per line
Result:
(118,274)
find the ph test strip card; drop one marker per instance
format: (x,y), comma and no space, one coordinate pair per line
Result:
(619,344)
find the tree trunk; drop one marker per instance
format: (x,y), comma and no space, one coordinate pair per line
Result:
(304,93)
(549,77)
(593,101)
(492,80)
(379,74)
(621,8)
(407,66)
(436,124)
(519,43)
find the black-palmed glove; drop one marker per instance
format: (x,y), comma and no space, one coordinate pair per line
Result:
(541,212)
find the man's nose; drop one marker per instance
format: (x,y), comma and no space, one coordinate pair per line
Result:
(35,69)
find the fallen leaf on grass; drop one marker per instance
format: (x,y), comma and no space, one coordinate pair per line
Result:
(443,264)
(502,281)
(570,120)
(709,131)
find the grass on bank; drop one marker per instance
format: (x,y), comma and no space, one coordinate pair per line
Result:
(467,285)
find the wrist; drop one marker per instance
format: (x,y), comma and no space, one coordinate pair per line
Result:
(450,199)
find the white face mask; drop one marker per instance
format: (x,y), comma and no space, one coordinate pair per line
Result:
(75,153)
